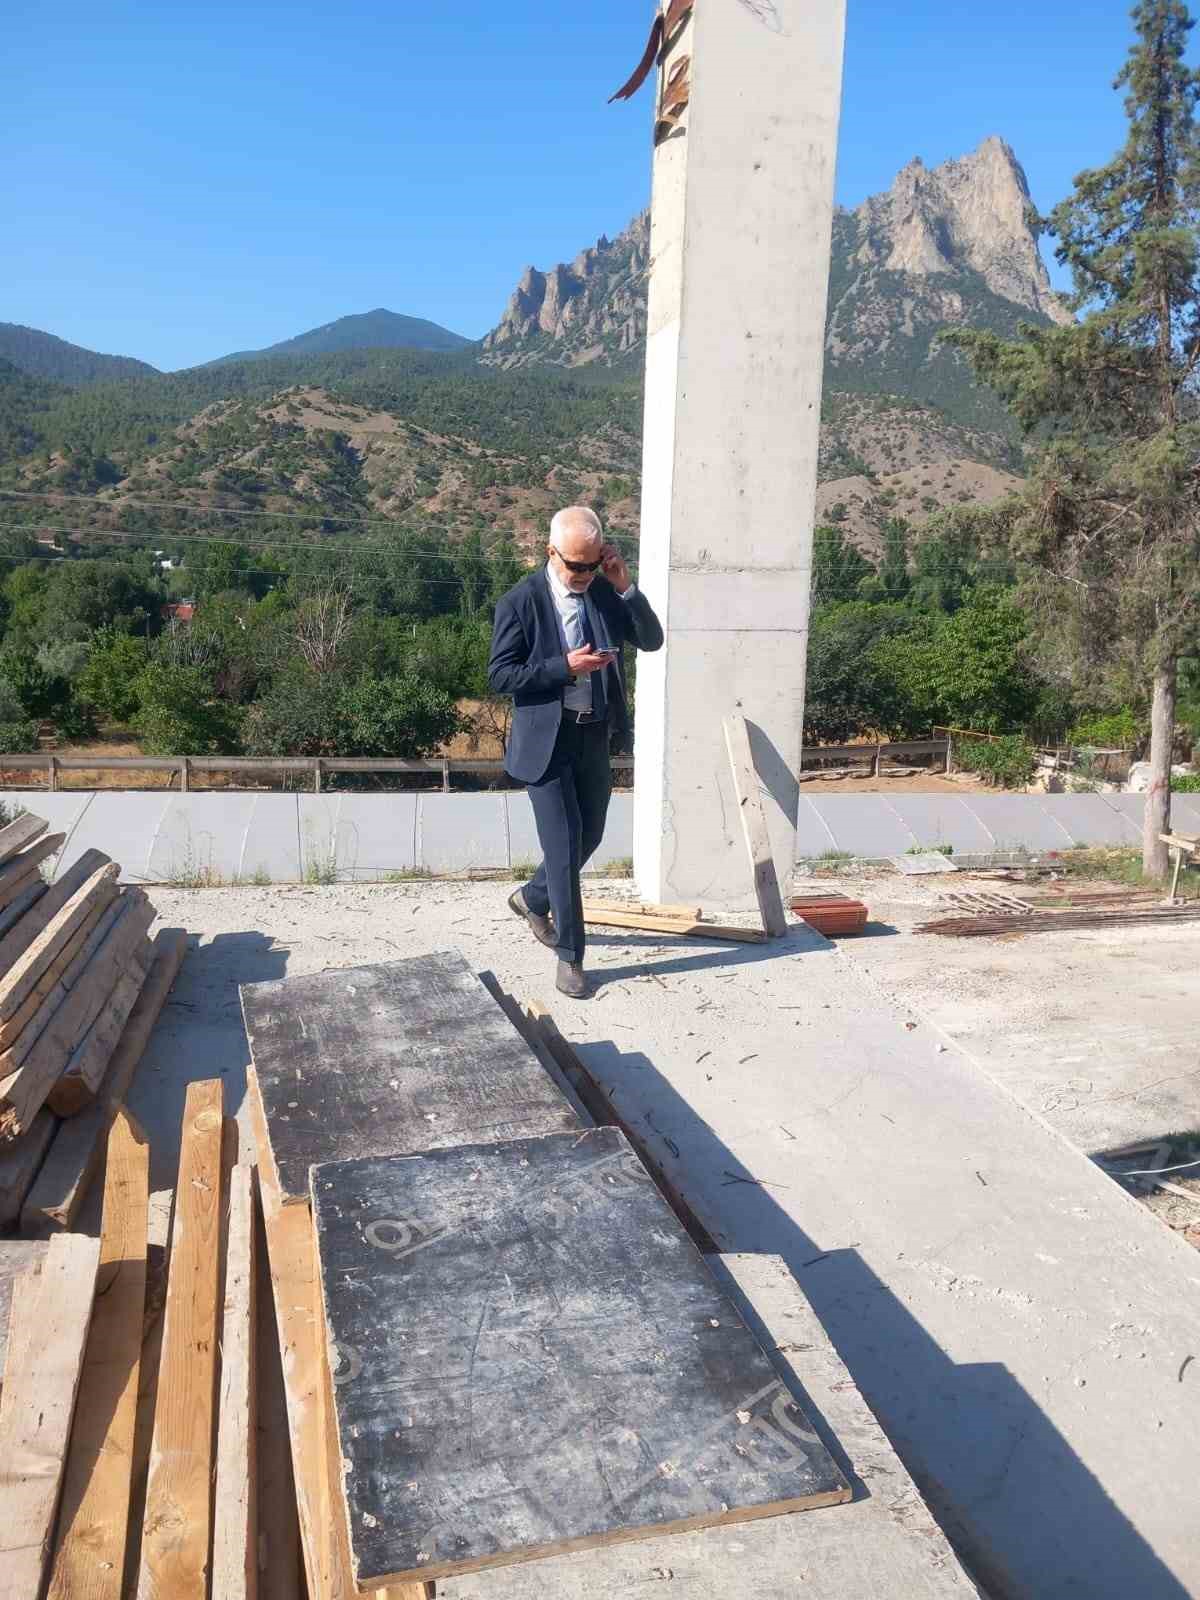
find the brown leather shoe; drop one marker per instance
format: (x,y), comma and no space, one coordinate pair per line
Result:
(571,980)
(541,927)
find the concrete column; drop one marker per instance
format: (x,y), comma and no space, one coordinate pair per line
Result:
(740,237)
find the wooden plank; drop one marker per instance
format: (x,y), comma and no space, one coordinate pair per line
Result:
(16,885)
(17,941)
(746,783)
(177,1529)
(17,1256)
(235,1522)
(408,1055)
(20,1162)
(532,1357)
(19,1034)
(645,908)
(21,833)
(36,1408)
(23,1295)
(16,909)
(75,1156)
(279,1570)
(76,1089)
(673,925)
(602,1112)
(23,1091)
(19,981)
(20,867)
(93,1523)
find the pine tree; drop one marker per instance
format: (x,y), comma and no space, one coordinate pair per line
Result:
(1108,528)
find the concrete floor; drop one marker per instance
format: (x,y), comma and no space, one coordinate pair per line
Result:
(1095,1031)
(1020,1326)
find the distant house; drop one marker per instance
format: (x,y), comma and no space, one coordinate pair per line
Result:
(180,611)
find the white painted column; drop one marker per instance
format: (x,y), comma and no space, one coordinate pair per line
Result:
(740,238)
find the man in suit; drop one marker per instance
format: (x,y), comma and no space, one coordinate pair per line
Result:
(557,649)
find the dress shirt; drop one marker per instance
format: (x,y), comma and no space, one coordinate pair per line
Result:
(577,696)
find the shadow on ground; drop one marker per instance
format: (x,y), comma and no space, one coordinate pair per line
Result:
(1027,1516)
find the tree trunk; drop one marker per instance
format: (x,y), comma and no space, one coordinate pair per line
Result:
(1157,817)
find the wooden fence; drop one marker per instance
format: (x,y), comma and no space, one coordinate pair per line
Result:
(317,768)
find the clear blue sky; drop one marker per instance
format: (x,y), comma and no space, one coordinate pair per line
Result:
(182,180)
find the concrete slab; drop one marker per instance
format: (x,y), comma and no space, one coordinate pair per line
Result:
(198,839)
(932,863)
(1020,821)
(886,1544)
(942,819)
(125,826)
(1017,1323)
(1090,820)
(459,831)
(865,825)
(363,835)
(63,813)
(1094,1030)
(814,836)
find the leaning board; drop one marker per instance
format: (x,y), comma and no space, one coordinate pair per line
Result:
(530,1356)
(383,1060)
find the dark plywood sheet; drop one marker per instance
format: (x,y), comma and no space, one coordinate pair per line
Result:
(530,1356)
(388,1059)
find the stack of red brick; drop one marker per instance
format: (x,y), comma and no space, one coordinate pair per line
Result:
(832,914)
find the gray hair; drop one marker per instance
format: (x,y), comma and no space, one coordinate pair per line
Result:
(574,519)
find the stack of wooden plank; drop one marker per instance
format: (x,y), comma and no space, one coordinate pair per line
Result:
(832,914)
(81,986)
(129,1462)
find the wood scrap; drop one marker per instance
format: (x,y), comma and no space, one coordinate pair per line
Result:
(47,1338)
(19,1034)
(76,1154)
(19,981)
(20,1162)
(831,914)
(644,908)
(17,909)
(24,1091)
(17,940)
(279,1557)
(673,925)
(84,1072)
(19,834)
(235,1524)
(93,1524)
(177,1529)
(17,1256)
(747,786)
(20,867)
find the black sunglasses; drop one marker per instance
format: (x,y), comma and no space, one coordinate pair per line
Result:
(578,566)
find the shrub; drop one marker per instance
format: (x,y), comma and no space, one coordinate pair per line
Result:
(1111,730)
(179,716)
(18,733)
(1188,783)
(1005,763)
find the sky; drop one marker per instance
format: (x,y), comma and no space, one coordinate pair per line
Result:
(180,181)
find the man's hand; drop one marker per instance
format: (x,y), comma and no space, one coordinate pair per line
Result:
(612,564)
(587,660)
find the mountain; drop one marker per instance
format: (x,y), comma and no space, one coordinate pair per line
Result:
(370,330)
(590,310)
(905,428)
(42,355)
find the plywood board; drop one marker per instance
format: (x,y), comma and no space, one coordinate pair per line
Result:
(381,1060)
(530,1356)
(93,1523)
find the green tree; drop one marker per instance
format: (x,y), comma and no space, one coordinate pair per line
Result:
(109,680)
(179,713)
(969,670)
(846,693)
(838,568)
(18,732)
(1111,512)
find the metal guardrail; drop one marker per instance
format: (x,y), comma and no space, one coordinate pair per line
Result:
(320,767)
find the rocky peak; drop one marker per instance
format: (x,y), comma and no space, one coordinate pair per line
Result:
(972,213)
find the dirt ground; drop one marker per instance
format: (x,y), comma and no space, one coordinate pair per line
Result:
(813,785)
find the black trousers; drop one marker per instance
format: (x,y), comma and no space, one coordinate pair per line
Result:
(570,807)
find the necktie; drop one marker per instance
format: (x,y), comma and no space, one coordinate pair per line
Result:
(599,699)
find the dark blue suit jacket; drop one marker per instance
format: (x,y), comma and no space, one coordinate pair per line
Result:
(527,662)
